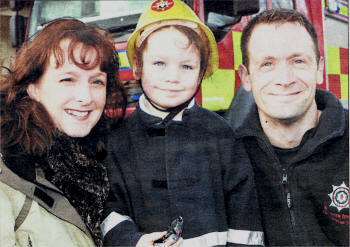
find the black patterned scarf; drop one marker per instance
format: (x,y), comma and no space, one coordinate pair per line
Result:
(75,166)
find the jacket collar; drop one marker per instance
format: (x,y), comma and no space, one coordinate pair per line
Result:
(150,121)
(143,101)
(39,192)
(251,126)
(15,164)
(331,123)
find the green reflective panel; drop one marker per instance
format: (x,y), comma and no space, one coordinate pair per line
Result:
(218,90)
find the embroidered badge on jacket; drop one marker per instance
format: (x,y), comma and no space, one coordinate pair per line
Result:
(340,197)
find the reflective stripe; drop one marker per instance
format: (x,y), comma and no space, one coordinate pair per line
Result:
(209,239)
(333,57)
(245,237)
(218,90)
(237,54)
(123,60)
(111,221)
(344,86)
(221,238)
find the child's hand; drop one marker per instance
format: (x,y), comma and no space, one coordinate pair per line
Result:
(177,243)
(171,242)
(147,240)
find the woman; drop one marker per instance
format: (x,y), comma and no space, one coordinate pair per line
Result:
(53,182)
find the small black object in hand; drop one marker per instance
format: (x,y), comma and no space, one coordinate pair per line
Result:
(173,234)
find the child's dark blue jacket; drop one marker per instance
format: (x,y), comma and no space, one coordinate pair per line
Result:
(190,168)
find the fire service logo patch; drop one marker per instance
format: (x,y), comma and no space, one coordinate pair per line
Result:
(162,5)
(339,197)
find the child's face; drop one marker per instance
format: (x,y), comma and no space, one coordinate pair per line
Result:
(170,73)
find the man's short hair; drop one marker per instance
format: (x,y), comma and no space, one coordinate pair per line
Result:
(277,16)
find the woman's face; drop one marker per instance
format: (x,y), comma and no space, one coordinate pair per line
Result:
(74,98)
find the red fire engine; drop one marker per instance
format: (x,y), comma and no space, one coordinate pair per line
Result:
(226,19)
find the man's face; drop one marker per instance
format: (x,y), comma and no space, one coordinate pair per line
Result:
(283,71)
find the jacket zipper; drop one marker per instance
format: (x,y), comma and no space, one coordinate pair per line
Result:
(287,192)
(288,198)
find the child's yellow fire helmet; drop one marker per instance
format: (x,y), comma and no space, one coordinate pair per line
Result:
(171,12)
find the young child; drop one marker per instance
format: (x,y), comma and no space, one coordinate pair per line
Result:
(178,159)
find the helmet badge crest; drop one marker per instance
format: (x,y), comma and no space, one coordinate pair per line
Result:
(162,5)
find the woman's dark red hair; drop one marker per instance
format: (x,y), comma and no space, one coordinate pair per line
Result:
(24,122)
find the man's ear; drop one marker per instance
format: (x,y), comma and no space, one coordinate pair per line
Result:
(244,75)
(320,69)
(33,91)
(136,69)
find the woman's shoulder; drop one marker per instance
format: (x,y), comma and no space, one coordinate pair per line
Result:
(10,196)
(13,209)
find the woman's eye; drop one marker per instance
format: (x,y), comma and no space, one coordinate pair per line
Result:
(159,63)
(99,82)
(68,79)
(187,67)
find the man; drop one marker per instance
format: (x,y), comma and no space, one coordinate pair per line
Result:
(296,135)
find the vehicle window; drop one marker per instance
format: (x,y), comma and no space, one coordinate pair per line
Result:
(219,16)
(286,4)
(118,17)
